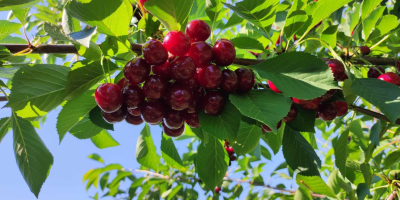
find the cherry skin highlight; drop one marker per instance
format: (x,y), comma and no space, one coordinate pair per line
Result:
(201,53)
(209,76)
(342,108)
(179,97)
(136,71)
(162,70)
(154,52)
(390,77)
(154,87)
(229,82)
(313,104)
(134,120)
(172,132)
(273,87)
(265,128)
(109,97)
(292,114)
(245,80)
(198,30)
(116,116)
(375,72)
(134,111)
(213,103)
(182,69)
(217,190)
(327,111)
(192,119)
(337,69)
(177,43)
(173,119)
(133,96)
(152,111)
(224,52)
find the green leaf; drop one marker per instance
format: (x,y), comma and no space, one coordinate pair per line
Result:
(370,22)
(33,158)
(82,37)
(248,43)
(211,162)
(299,154)
(315,184)
(367,172)
(69,24)
(6,28)
(341,151)
(304,121)
(85,129)
(295,18)
(323,9)
(297,74)
(21,14)
(384,26)
(97,119)
(384,95)
(96,157)
(42,86)
(329,35)
(116,49)
(265,153)
(367,7)
(104,180)
(16,4)
(104,140)
(248,137)
(171,13)
(335,180)
(170,153)
(223,126)
(146,153)
(274,140)
(152,25)
(91,53)
(302,194)
(4,53)
(374,133)
(391,158)
(255,106)
(5,125)
(362,191)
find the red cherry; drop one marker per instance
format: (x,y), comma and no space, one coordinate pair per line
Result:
(226,143)
(172,132)
(154,52)
(201,53)
(375,72)
(229,150)
(224,52)
(154,87)
(179,97)
(217,190)
(292,114)
(232,158)
(152,111)
(123,83)
(182,69)
(328,95)
(327,111)
(192,119)
(109,97)
(177,43)
(313,104)
(337,68)
(133,96)
(116,116)
(342,108)
(265,128)
(398,65)
(134,120)
(143,1)
(245,79)
(198,30)
(136,71)
(173,119)
(273,87)
(134,111)
(213,103)
(364,50)
(229,81)
(300,101)
(193,83)
(390,77)
(209,76)
(195,104)
(162,70)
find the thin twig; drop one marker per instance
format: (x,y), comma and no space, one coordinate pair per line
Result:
(372,114)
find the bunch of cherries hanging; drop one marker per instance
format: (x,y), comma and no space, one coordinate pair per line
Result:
(174,80)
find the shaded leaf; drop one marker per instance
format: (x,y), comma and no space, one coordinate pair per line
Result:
(170,153)
(146,153)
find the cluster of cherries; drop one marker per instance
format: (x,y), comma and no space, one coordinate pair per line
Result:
(186,77)
(230,151)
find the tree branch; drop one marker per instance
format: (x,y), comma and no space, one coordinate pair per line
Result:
(3,98)
(392,196)
(372,114)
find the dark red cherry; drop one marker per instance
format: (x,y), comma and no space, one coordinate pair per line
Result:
(398,65)
(313,104)
(300,101)
(179,97)
(154,52)
(195,104)
(213,103)
(133,96)
(109,97)
(201,53)
(177,43)
(193,83)
(136,71)
(198,30)
(375,72)
(229,150)
(224,52)
(337,68)
(192,119)
(292,114)
(328,95)
(364,50)
(273,87)
(162,70)
(327,111)
(155,87)
(209,76)
(390,77)
(152,111)
(123,83)
(173,119)
(229,81)
(182,69)
(245,79)
(217,189)
(265,128)
(172,132)
(134,120)
(342,108)
(116,116)
(134,111)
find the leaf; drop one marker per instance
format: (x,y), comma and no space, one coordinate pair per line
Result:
(247,43)
(374,133)
(33,158)
(385,96)
(6,28)
(213,8)
(152,25)
(367,172)
(21,14)
(69,24)
(323,9)
(146,153)
(299,154)
(170,153)
(341,151)
(367,7)
(211,162)
(223,126)
(335,180)
(5,125)
(116,49)
(85,129)
(362,191)
(297,74)
(16,4)
(391,158)
(274,140)
(104,180)
(91,53)
(316,185)
(248,137)
(104,140)
(42,86)
(329,35)
(82,37)
(384,26)
(96,157)
(295,18)
(171,13)
(4,53)
(97,119)
(302,194)
(304,121)
(370,22)
(256,106)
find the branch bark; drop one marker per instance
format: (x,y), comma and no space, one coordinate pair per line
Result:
(372,114)
(3,98)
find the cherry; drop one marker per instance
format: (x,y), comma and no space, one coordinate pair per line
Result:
(209,76)
(217,189)
(152,111)
(213,103)
(177,43)
(375,72)
(327,111)
(134,120)
(172,132)
(123,83)
(154,52)
(143,1)
(390,77)
(313,104)
(198,30)
(229,150)
(398,65)
(182,69)
(195,104)
(136,71)
(337,69)
(265,128)
(193,83)
(226,143)
(192,119)
(245,80)
(116,116)
(179,97)
(109,97)
(273,87)
(162,70)
(154,87)
(232,158)
(328,95)
(133,96)
(364,50)
(134,111)
(292,114)
(224,52)
(201,53)
(342,108)
(173,119)
(229,81)
(300,101)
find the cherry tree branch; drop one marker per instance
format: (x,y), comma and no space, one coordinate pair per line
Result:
(3,98)
(392,196)
(372,114)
